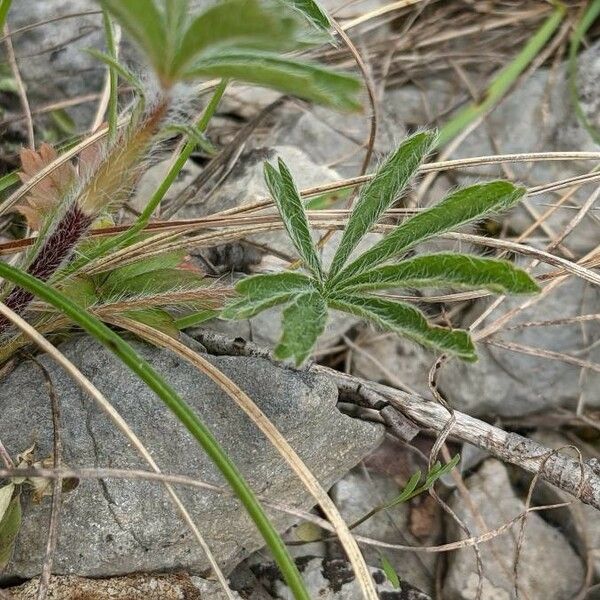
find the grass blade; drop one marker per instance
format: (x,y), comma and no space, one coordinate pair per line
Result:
(287,199)
(303,322)
(379,194)
(463,206)
(446,270)
(313,12)
(178,406)
(408,321)
(505,79)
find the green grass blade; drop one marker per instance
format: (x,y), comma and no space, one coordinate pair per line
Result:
(4,8)
(8,180)
(196,318)
(588,18)
(378,195)
(505,79)
(313,12)
(177,405)
(446,270)
(408,321)
(261,292)
(113,75)
(302,79)
(461,207)
(289,204)
(303,322)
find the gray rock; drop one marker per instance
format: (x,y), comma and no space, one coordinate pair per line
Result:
(113,527)
(548,567)
(52,57)
(509,383)
(333,579)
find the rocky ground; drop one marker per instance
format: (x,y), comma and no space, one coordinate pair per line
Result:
(538,373)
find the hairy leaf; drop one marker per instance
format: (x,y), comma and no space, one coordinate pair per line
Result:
(142,20)
(158,281)
(286,197)
(446,269)
(261,292)
(121,275)
(303,322)
(237,25)
(408,321)
(154,317)
(302,79)
(6,492)
(379,194)
(463,206)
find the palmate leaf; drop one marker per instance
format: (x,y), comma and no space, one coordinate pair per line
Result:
(260,292)
(238,25)
(303,322)
(302,79)
(408,321)
(445,269)
(288,202)
(463,206)
(379,194)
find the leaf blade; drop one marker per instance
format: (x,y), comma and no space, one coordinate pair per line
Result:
(379,194)
(446,269)
(261,292)
(408,321)
(303,322)
(461,207)
(302,79)
(289,204)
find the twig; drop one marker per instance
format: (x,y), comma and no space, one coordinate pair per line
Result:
(581,480)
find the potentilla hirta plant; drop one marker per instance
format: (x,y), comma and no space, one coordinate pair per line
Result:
(350,286)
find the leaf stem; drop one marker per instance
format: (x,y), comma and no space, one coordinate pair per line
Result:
(118,346)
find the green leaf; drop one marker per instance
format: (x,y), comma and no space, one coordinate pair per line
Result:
(463,206)
(154,317)
(286,197)
(389,571)
(127,75)
(9,179)
(303,322)
(261,292)
(380,193)
(6,492)
(408,321)
(302,79)
(10,524)
(446,269)
(121,275)
(142,20)
(312,11)
(155,282)
(196,318)
(81,290)
(439,470)
(237,25)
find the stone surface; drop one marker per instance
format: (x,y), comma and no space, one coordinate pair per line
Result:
(333,579)
(548,567)
(133,587)
(509,383)
(115,527)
